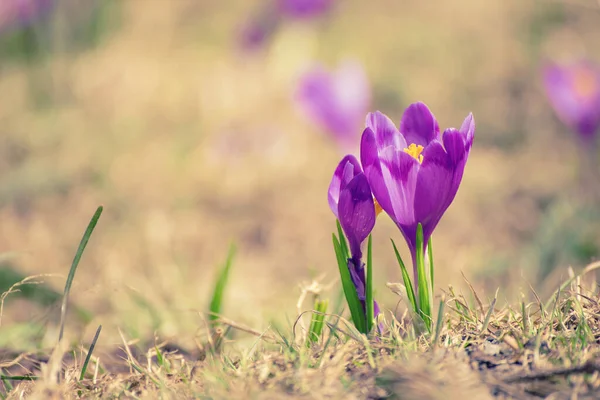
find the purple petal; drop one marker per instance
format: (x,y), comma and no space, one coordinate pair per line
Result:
(337,100)
(434,187)
(386,133)
(369,153)
(356,212)
(468,129)
(418,125)
(574,92)
(393,180)
(455,145)
(458,147)
(20,14)
(304,8)
(347,169)
(357,274)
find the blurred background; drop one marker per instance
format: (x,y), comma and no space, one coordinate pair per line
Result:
(186,119)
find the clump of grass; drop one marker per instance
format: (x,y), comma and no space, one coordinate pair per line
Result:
(475,348)
(82,245)
(216,302)
(476,351)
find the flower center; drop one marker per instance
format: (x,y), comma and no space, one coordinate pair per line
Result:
(585,83)
(378,208)
(415,151)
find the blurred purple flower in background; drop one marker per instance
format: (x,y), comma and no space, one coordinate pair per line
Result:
(259,28)
(351,200)
(415,172)
(336,100)
(256,31)
(574,92)
(22,13)
(304,8)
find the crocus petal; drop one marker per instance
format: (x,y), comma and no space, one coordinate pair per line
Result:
(455,145)
(418,125)
(434,187)
(385,131)
(390,172)
(357,274)
(356,213)
(574,92)
(347,169)
(468,129)
(336,100)
(393,179)
(304,8)
(458,146)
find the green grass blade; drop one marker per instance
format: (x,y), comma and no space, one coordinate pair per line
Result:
(78,254)
(342,239)
(422,284)
(369,302)
(89,354)
(439,322)
(430,256)
(7,385)
(407,282)
(216,302)
(317,322)
(19,378)
(488,315)
(354,304)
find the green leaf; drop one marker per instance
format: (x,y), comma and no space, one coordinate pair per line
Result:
(317,321)
(342,239)
(369,302)
(430,257)
(439,322)
(89,354)
(82,244)
(216,303)
(423,287)
(410,293)
(356,310)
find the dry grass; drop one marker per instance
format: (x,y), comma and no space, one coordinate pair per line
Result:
(531,351)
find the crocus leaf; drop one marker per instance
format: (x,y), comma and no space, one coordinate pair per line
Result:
(410,293)
(430,257)
(369,302)
(423,287)
(352,299)
(342,239)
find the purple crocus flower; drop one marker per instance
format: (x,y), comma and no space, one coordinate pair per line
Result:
(257,31)
(304,8)
(414,173)
(337,100)
(351,201)
(574,92)
(21,13)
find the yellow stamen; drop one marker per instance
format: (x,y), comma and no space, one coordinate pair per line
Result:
(415,151)
(585,82)
(378,208)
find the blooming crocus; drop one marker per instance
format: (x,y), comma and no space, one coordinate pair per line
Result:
(257,31)
(22,13)
(336,100)
(574,92)
(414,172)
(351,201)
(304,8)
